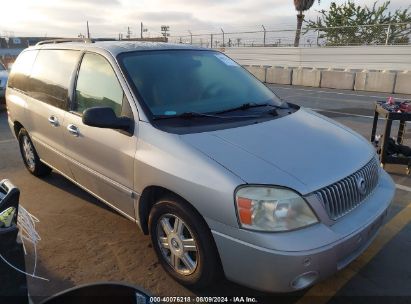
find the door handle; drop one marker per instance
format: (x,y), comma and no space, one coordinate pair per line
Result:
(73,130)
(53,121)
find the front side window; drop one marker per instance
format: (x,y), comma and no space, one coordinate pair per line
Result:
(97,85)
(172,82)
(2,68)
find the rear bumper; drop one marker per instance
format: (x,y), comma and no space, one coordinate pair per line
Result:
(276,270)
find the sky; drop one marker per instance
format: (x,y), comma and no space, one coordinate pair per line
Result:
(108,18)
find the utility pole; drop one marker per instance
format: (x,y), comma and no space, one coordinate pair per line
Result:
(264,34)
(88,31)
(211,45)
(142,30)
(128,32)
(223,37)
(191,37)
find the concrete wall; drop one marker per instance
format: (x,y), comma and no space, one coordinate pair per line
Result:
(350,57)
(257,71)
(342,80)
(307,77)
(374,81)
(279,75)
(403,83)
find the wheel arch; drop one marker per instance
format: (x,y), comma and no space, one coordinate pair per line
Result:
(17,126)
(150,195)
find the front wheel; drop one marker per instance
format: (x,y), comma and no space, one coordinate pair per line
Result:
(30,156)
(183,243)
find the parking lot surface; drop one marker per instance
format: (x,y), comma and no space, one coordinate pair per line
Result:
(84,241)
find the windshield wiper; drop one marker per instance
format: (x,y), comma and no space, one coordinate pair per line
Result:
(250,105)
(190,115)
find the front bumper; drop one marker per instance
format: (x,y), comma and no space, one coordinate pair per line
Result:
(285,262)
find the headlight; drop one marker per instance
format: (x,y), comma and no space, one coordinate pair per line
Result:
(272,209)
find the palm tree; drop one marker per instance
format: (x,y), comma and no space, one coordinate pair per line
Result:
(300,7)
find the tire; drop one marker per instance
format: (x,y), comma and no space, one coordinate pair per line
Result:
(194,240)
(30,157)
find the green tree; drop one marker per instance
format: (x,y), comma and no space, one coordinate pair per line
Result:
(301,6)
(351,24)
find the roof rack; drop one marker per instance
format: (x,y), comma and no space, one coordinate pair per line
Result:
(63,40)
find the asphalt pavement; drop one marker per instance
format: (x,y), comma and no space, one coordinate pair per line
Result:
(83,241)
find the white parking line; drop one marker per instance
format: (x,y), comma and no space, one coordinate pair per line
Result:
(339,93)
(6,141)
(343,113)
(402,187)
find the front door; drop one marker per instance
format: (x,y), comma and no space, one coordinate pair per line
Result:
(101,160)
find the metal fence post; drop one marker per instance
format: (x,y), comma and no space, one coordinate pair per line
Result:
(388,34)
(265,32)
(318,37)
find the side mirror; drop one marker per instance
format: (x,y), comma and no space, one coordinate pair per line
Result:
(104,117)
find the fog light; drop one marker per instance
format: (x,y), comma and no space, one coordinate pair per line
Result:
(304,280)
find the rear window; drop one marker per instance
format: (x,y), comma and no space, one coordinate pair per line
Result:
(51,75)
(21,70)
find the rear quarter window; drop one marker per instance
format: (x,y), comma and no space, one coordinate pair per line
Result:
(51,75)
(18,78)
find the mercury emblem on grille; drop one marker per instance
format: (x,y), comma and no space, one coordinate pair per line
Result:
(361,186)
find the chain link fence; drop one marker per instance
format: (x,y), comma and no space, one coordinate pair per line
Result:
(361,35)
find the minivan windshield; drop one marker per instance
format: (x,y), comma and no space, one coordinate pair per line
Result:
(173,82)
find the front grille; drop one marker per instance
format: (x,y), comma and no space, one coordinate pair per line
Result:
(340,198)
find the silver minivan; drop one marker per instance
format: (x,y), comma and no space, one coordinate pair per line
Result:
(226,177)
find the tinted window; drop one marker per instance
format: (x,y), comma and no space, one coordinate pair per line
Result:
(174,82)
(97,85)
(21,70)
(51,74)
(2,68)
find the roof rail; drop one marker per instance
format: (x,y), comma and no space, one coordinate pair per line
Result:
(62,40)
(84,40)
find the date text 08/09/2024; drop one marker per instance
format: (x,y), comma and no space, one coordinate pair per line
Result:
(203,300)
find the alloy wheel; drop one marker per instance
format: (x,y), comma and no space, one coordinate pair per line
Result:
(177,243)
(29,153)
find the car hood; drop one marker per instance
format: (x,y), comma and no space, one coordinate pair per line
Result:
(304,151)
